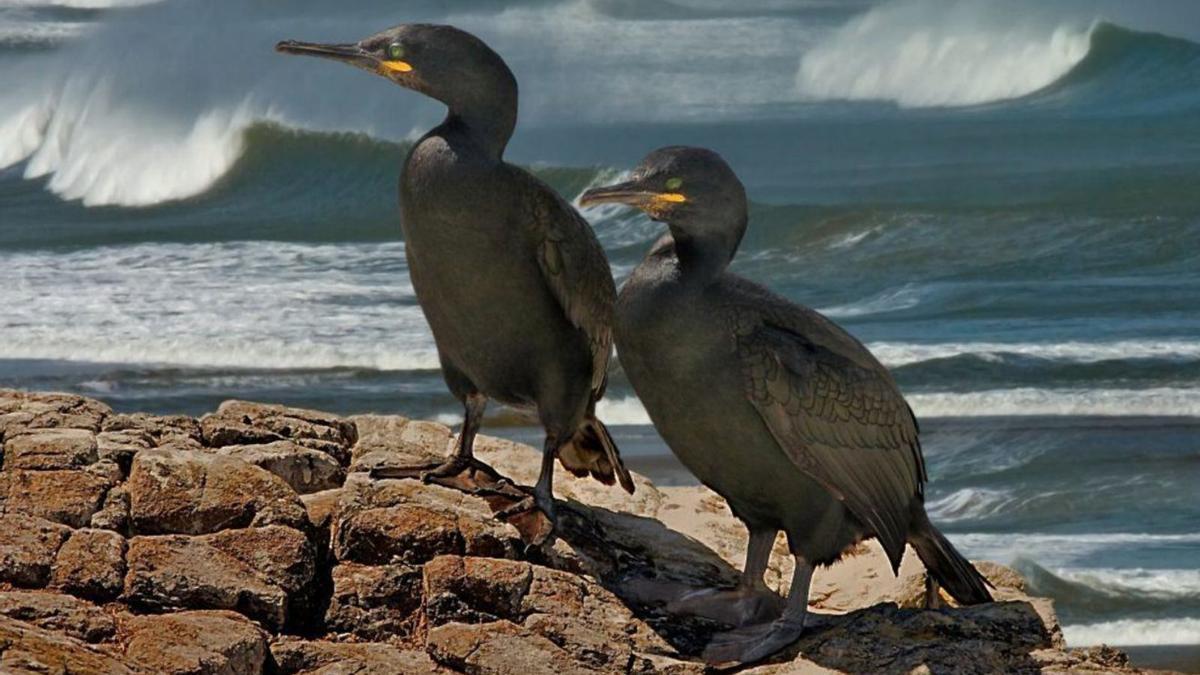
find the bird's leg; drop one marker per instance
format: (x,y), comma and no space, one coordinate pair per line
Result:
(543,493)
(460,460)
(749,602)
(933,595)
(755,643)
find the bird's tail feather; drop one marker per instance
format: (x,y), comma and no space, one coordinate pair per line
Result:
(592,451)
(951,570)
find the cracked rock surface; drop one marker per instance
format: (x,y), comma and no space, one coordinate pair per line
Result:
(253,540)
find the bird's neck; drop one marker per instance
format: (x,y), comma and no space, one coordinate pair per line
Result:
(487,121)
(704,254)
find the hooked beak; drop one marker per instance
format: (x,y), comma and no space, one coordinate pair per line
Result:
(346,53)
(343,52)
(628,192)
(657,204)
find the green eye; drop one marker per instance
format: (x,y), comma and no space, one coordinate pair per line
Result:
(674,183)
(395,51)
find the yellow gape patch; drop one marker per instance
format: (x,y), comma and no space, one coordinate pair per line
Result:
(395,66)
(673,197)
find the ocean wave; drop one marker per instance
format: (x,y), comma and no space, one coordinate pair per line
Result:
(929,53)
(1162,401)
(1155,401)
(932,53)
(905,297)
(238,304)
(896,354)
(969,504)
(1134,632)
(1062,549)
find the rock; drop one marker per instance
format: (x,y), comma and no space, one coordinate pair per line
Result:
(44,449)
(886,638)
(321,507)
(69,497)
(91,564)
(28,546)
(375,602)
(299,657)
(398,576)
(304,469)
(123,445)
(242,423)
(197,643)
(162,430)
(191,492)
(405,521)
(260,572)
(62,613)
(29,649)
(502,648)
(114,515)
(475,590)
(51,411)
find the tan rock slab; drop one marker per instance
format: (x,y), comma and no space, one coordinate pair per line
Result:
(304,469)
(28,546)
(197,643)
(406,521)
(91,564)
(69,497)
(299,657)
(501,648)
(61,613)
(259,572)
(375,602)
(193,492)
(44,449)
(51,411)
(29,649)
(244,422)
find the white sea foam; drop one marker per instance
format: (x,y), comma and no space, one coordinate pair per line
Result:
(906,297)
(937,53)
(969,504)
(242,305)
(1159,583)
(1061,550)
(626,410)
(1134,632)
(1169,401)
(894,354)
(1160,401)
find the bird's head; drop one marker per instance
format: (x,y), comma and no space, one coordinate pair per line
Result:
(691,189)
(442,62)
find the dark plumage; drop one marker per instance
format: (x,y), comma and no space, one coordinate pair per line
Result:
(513,282)
(769,403)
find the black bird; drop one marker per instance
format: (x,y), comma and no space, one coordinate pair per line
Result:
(512,280)
(769,403)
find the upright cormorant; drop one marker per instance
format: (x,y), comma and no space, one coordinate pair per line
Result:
(512,280)
(769,403)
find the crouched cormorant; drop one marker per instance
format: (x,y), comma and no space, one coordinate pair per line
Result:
(512,280)
(769,403)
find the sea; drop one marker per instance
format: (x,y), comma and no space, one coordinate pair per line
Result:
(1001,200)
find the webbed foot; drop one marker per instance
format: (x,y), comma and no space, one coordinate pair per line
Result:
(752,644)
(733,607)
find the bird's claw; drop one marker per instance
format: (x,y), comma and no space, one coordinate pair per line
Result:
(752,644)
(455,466)
(736,607)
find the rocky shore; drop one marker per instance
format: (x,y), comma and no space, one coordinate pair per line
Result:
(252,540)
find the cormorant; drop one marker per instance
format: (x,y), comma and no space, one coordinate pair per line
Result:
(769,403)
(512,280)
